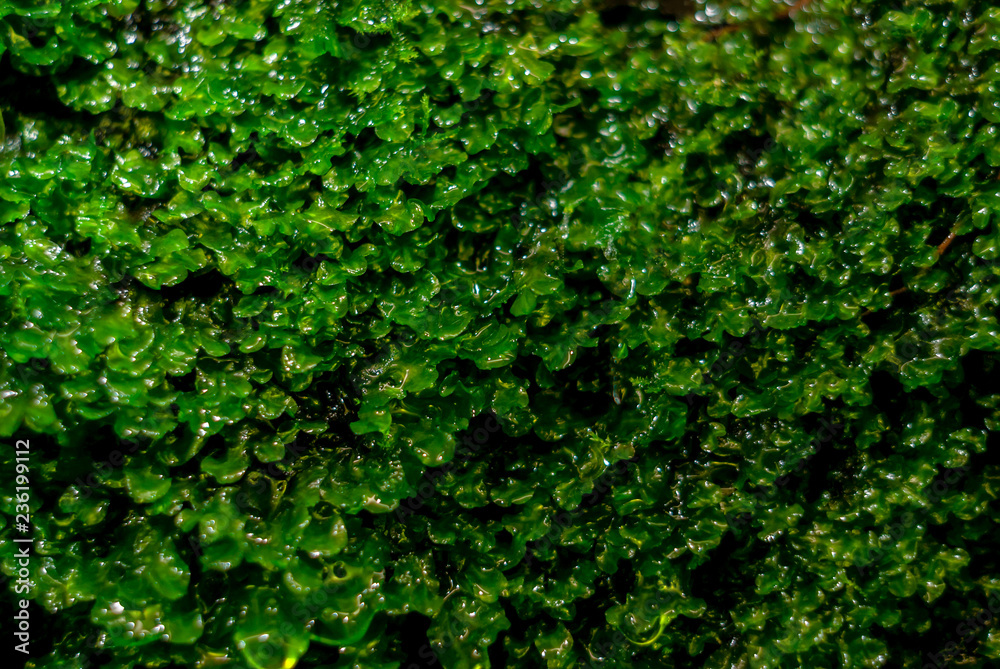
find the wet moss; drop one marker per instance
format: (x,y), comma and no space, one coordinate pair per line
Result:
(576,333)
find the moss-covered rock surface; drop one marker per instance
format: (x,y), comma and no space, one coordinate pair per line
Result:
(482,333)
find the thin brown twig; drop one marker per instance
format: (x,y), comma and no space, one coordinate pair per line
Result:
(721,30)
(783,14)
(941,248)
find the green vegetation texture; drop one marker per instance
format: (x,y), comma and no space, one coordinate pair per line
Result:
(481,333)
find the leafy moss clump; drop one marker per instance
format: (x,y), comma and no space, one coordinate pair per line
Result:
(470,333)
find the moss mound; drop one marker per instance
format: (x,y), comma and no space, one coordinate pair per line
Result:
(475,334)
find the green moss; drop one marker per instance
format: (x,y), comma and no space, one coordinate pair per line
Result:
(556,334)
